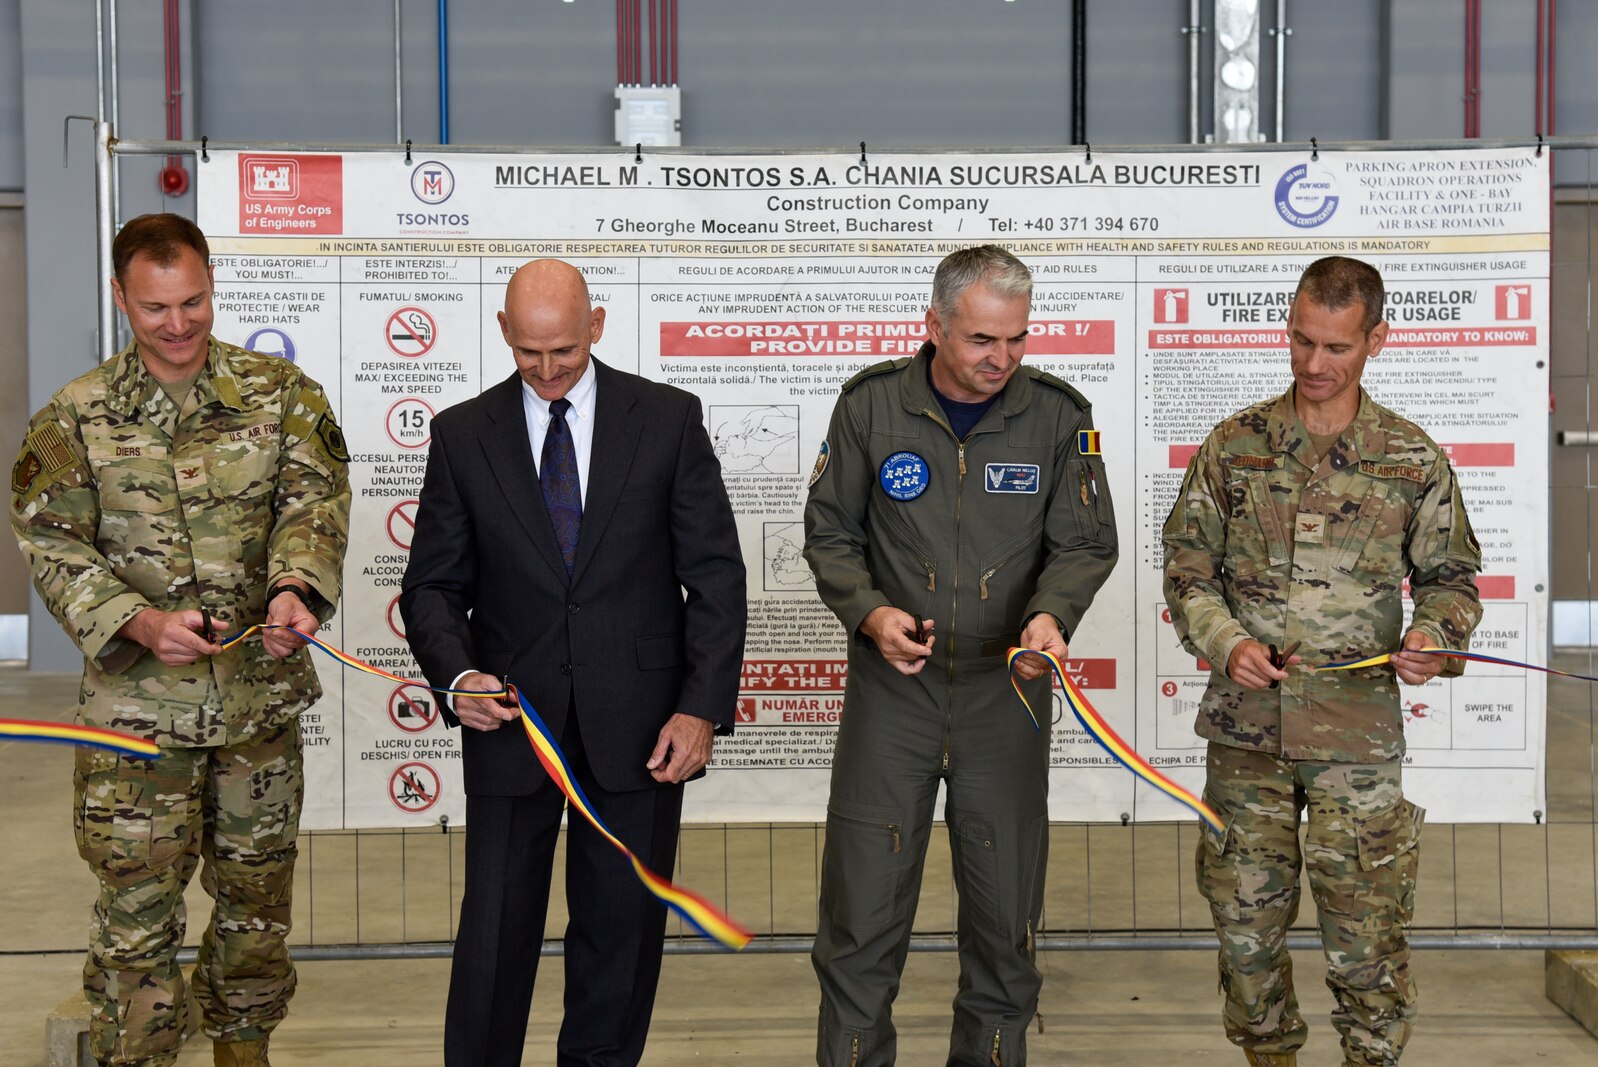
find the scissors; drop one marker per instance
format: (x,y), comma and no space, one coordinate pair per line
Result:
(1279,659)
(209,631)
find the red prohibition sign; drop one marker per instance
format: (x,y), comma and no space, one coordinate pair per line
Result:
(413,787)
(410,332)
(412,710)
(402,522)
(395,621)
(410,423)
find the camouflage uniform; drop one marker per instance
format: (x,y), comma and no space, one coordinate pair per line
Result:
(1268,541)
(121,501)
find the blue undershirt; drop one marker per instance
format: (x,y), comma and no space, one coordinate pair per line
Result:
(962,417)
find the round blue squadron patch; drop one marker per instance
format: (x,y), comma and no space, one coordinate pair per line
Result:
(904,476)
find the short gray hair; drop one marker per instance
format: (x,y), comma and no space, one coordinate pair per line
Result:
(1338,282)
(990,264)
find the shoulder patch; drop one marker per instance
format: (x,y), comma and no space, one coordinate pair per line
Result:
(1087,442)
(1406,471)
(50,444)
(332,438)
(875,369)
(821,464)
(1258,463)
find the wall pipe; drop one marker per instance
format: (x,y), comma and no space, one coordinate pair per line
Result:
(781,944)
(1192,30)
(114,115)
(1281,32)
(399,82)
(105,228)
(135,147)
(1079,72)
(443,72)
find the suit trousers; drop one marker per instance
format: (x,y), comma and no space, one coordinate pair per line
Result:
(613,937)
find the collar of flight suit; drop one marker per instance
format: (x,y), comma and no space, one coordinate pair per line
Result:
(133,388)
(915,393)
(1286,432)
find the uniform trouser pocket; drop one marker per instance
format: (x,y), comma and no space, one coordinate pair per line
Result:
(1365,892)
(138,824)
(861,865)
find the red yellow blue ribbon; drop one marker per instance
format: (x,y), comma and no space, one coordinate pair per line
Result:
(1450,653)
(66,733)
(1105,735)
(705,918)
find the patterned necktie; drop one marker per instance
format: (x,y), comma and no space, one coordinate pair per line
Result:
(558,474)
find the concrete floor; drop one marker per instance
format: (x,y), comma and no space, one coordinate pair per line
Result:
(1478,1008)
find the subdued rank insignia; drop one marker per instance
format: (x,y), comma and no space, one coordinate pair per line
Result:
(821,464)
(1309,528)
(332,438)
(1087,442)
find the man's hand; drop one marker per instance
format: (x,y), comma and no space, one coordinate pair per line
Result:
(683,748)
(1250,666)
(1413,667)
(176,637)
(482,713)
(894,633)
(287,609)
(1043,634)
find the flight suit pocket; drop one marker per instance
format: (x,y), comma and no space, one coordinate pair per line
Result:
(979,874)
(862,864)
(1008,580)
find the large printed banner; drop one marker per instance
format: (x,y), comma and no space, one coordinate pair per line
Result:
(763,283)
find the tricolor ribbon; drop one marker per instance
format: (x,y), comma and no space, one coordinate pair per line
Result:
(705,918)
(64,733)
(1450,653)
(1101,731)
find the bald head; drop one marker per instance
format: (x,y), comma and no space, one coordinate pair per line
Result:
(549,324)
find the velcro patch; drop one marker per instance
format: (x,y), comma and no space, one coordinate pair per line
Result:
(27,468)
(1258,463)
(1392,470)
(51,446)
(332,438)
(1011,478)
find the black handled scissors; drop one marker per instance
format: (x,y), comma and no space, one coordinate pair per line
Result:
(1279,659)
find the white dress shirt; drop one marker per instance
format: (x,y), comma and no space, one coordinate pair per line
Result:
(579,420)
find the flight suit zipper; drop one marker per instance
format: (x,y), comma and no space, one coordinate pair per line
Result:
(854,1051)
(959,487)
(995,1058)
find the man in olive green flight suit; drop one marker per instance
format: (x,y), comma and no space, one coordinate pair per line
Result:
(1298,522)
(962,491)
(186,488)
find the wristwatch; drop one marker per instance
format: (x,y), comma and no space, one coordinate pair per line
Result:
(309,597)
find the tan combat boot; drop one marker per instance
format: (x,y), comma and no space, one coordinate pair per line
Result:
(1271,1059)
(240,1053)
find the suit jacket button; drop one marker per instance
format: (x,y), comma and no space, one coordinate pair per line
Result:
(565,668)
(572,608)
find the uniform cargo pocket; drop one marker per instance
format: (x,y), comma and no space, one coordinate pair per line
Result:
(862,863)
(129,817)
(1388,835)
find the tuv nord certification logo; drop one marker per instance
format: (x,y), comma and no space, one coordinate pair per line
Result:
(1306,195)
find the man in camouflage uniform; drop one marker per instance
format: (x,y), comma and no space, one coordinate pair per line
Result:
(181,490)
(1298,522)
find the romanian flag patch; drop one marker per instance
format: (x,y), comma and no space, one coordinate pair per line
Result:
(1087,442)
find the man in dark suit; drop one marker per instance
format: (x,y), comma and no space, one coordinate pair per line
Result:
(606,583)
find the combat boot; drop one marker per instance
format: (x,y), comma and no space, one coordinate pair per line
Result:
(1271,1059)
(240,1053)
